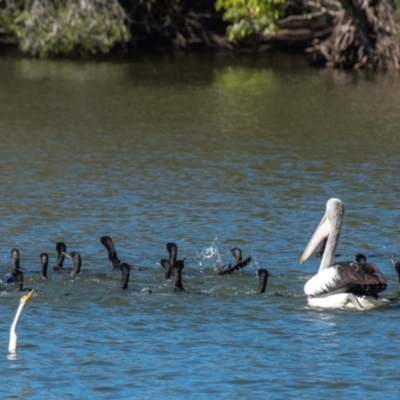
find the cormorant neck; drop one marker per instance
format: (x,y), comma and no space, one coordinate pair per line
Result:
(237,253)
(61,249)
(76,257)
(45,261)
(15,257)
(167,268)
(178,266)
(112,253)
(125,269)
(263,275)
(173,252)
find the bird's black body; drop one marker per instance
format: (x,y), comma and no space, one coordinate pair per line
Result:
(167,268)
(361,259)
(169,264)
(18,278)
(178,267)
(9,278)
(239,264)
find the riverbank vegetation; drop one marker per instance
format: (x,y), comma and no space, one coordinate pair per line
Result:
(337,33)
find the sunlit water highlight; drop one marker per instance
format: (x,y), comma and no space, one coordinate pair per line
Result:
(209,153)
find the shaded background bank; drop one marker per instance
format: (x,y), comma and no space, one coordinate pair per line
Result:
(342,34)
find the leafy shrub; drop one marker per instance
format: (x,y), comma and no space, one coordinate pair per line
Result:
(249,17)
(65,27)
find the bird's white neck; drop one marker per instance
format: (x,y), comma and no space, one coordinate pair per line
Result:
(12,346)
(335,217)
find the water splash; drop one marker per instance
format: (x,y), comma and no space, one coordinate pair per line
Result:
(209,256)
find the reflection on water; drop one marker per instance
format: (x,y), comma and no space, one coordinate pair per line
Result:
(209,152)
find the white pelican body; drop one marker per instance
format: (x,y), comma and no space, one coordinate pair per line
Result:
(12,347)
(341,284)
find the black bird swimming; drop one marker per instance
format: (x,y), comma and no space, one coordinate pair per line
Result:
(361,259)
(115,262)
(167,268)
(18,278)
(45,262)
(61,250)
(396,266)
(263,275)
(239,264)
(173,252)
(76,258)
(396,300)
(8,279)
(168,265)
(125,269)
(178,267)
(15,257)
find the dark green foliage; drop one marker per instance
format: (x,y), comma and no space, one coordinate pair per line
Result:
(249,17)
(83,27)
(65,27)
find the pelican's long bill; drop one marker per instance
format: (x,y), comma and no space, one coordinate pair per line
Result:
(12,347)
(319,235)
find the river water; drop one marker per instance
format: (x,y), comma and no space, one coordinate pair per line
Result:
(209,152)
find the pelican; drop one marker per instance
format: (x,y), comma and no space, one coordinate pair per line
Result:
(12,347)
(341,284)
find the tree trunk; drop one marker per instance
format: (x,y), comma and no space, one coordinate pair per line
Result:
(365,37)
